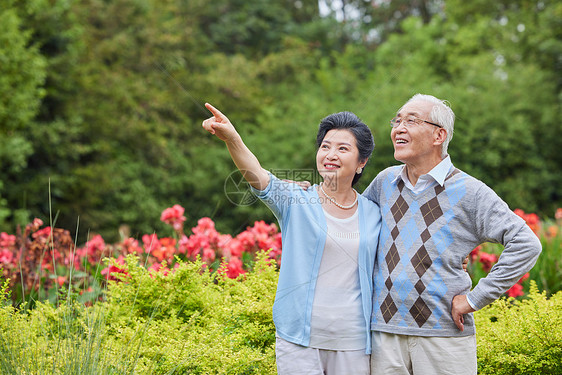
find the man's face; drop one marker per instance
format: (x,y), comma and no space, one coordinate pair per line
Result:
(415,144)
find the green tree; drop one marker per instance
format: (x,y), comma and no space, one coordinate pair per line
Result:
(22,73)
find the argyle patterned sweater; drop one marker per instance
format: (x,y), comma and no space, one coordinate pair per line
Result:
(423,241)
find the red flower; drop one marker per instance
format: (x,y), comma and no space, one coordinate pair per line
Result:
(558,214)
(115,267)
(515,291)
(150,242)
(519,212)
(61,280)
(474,253)
(533,222)
(246,239)
(552,231)
(234,268)
(487,260)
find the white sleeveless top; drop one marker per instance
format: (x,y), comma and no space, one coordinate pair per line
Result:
(337,318)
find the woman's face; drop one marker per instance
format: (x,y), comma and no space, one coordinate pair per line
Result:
(338,157)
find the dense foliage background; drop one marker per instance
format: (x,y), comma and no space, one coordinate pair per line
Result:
(101,100)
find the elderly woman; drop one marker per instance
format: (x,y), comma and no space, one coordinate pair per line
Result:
(322,306)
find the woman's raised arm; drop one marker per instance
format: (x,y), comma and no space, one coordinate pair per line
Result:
(244,159)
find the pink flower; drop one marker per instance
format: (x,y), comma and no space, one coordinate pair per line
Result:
(247,240)
(558,214)
(174,217)
(208,255)
(195,244)
(35,225)
(166,250)
(264,241)
(157,267)
(183,244)
(95,248)
(223,240)
(6,256)
(206,227)
(131,246)
(7,240)
(233,248)
(43,233)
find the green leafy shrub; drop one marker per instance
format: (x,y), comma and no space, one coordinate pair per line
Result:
(186,321)
(521,337)
(192,321)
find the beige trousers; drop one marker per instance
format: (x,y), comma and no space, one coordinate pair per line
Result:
(416,355)
(294,359)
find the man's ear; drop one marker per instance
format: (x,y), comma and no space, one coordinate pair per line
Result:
(439,136)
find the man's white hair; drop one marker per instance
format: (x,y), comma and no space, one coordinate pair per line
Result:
(441,114)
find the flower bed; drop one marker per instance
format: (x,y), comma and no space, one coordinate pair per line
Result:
(41,261)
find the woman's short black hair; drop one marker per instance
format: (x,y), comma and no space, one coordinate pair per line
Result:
(361,132)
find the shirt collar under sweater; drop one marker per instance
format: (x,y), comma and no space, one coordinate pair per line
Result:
(436,175)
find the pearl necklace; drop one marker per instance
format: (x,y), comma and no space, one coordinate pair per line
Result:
(333,200)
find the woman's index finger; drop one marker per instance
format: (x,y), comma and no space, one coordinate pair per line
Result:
(218,114)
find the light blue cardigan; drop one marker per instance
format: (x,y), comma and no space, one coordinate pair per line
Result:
(303,230)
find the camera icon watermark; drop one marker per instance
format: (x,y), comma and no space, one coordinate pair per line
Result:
(238,191)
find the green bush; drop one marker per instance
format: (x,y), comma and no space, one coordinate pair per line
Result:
(186,321)
(193,322)
(521,337)
(196,322)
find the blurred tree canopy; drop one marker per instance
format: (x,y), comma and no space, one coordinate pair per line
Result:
(102,100)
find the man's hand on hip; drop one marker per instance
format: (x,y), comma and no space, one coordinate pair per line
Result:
(459,307)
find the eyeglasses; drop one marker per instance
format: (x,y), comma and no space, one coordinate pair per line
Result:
(409,121)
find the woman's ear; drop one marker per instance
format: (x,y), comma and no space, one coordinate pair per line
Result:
(363,163)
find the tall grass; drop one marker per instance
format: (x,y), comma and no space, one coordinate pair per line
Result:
(66,339)
(62,336)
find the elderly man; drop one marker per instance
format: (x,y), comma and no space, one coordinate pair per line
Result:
(433,216)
